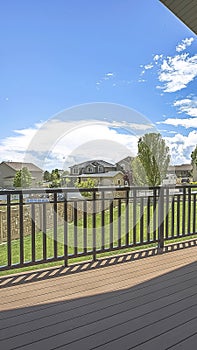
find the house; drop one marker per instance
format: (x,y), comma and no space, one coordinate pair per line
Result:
(92,167)
(125,164)
(103,172)
(183,172)
(110,178)
(8,171)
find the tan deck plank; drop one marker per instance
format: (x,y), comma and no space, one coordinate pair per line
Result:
(82,306)
(109,308)
(124,304)
(101,277)
(118,334)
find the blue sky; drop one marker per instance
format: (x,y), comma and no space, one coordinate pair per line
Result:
(60,54)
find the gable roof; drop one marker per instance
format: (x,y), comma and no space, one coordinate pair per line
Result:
(19,165)
(127,159)
(93,162)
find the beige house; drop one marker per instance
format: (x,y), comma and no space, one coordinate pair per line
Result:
(183,172)
(111,178)
(8,171)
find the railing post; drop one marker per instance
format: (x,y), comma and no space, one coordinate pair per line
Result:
(161,221)
(65,231)
(94,226)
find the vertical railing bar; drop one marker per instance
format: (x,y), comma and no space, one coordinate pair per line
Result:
(94,226)
(167,213)
(189,211)
(183,210)
(33,232)
(21,229)
(178,216)
(172,218)
(141,219)
(55,225)
(65,231)
(44,237)
(103,220)
(127,217)
(161,220)
(194,213)
(119,222)
(85,226)
(148,219)
(134,216)
(9,239)
(111,224)
(154,213)
(75,228)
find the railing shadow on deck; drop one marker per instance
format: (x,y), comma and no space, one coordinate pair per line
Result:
(161,310)
(54,272)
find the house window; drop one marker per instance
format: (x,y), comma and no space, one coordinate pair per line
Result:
(90,170)
(100,169)
(75,170)
(119,182)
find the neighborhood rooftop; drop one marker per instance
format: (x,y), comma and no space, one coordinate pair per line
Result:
(19,165)
(93,162)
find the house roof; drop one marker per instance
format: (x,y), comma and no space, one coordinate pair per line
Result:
(126,159)
(98,175)
(19,165)
(185,10)
(183,167)
(93,162)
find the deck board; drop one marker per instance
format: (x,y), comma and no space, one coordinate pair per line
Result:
(149,303)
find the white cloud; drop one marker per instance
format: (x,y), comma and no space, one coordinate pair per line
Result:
(148,66)
(157,58)
(181,147)
(188,106)
(56,142)
(109,74)
(177,72)
(184,122)
(184,44)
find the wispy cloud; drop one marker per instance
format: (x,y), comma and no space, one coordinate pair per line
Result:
(113,79)
(187,105)
(174,72)
(177,72)
(148,66)
(184,122)
(105,77)
(157,57)
(184,44)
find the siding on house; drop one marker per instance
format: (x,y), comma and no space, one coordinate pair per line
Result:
(8,171)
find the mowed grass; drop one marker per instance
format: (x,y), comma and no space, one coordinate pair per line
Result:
(77,236)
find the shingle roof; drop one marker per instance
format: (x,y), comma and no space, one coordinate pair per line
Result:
(186,167)
(94,162)
(19,165)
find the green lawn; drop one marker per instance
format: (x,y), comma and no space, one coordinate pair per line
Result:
(178,220)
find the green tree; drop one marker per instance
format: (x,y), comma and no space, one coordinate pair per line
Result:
(194,156)
(150,166)
(47,176)
(89,183)
(22,178)
(55,178)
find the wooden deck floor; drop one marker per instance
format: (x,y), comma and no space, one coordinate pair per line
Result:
(129,302)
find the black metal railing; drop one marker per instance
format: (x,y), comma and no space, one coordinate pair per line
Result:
(46,225)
